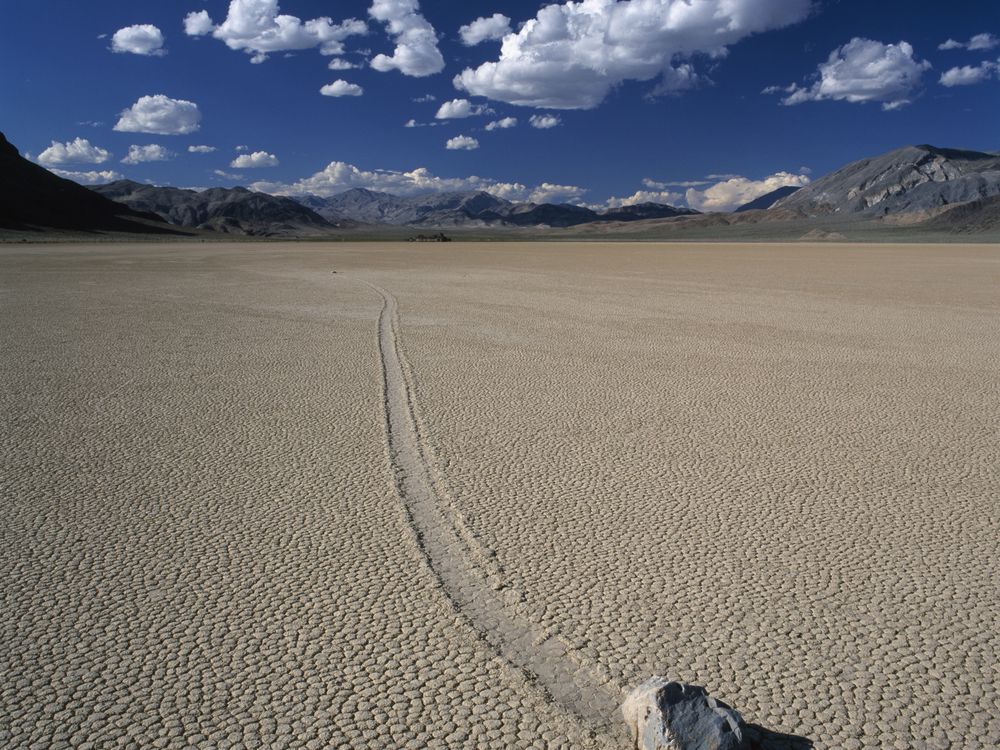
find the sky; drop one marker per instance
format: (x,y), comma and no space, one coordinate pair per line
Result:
(703,103)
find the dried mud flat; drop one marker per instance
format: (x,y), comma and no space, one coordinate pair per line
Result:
(464,495)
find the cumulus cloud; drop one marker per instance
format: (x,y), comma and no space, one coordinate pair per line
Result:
(152,152)
(201,149)
(459,108)
(416,52)
(735,191)
(544,122)
(77,151)
(258,28)
(496,26)
(160,115)
(645,196)
(89,178)
(978,42)
(462,143)
(570,55)
(226,175)
(341,87)
(548,192)
(861,71)
(502,124)
(339,63)
(967,75)
(141,39)
(256,160)
(198,23)
(339,176)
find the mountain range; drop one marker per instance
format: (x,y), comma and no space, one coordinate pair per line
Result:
(226,210)
(915,188)
(473,208)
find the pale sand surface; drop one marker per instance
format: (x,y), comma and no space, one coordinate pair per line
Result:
(771,471)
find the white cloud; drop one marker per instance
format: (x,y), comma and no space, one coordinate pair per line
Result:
(416,52)
(411,123)
(496,26)
(459,108)
(256,160)
(461,143)
(341,88)
(339,63)
(141,39)
(544,122)
(152,152)
(77,151)
(969,74)
(861,71)
(502,124)
(89,178)
(160,115)
(226,175)
(570,56)
(645,196)
(201,149)
(198,23)
(735,191)
(258,28)
(550,193)
(982,41)
(978,42)
(425,98)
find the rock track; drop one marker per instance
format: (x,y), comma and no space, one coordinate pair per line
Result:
(464,568)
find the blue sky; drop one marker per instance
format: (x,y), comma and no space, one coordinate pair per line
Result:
(649,99)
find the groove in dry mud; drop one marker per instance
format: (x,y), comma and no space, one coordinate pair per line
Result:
(541,657)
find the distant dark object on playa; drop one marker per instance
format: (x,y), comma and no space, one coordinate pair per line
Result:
(439,237)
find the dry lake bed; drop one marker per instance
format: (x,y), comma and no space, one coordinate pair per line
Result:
(418,496)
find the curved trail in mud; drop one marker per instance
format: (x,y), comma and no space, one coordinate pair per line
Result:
(543,658)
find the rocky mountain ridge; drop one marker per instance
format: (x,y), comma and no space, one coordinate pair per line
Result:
(913,179)
(475,208)
(227,210)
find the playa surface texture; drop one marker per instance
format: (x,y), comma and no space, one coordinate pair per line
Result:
(466,495)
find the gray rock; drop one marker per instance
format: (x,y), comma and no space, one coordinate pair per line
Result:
(665,715)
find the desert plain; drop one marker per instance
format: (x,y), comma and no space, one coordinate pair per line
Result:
(325,495)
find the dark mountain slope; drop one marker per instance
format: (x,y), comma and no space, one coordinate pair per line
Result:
(975,216)
(31,197)
(767,200)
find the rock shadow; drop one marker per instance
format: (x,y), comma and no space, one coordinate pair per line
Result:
(756,737)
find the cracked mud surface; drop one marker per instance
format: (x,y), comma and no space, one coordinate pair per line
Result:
(229,522)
